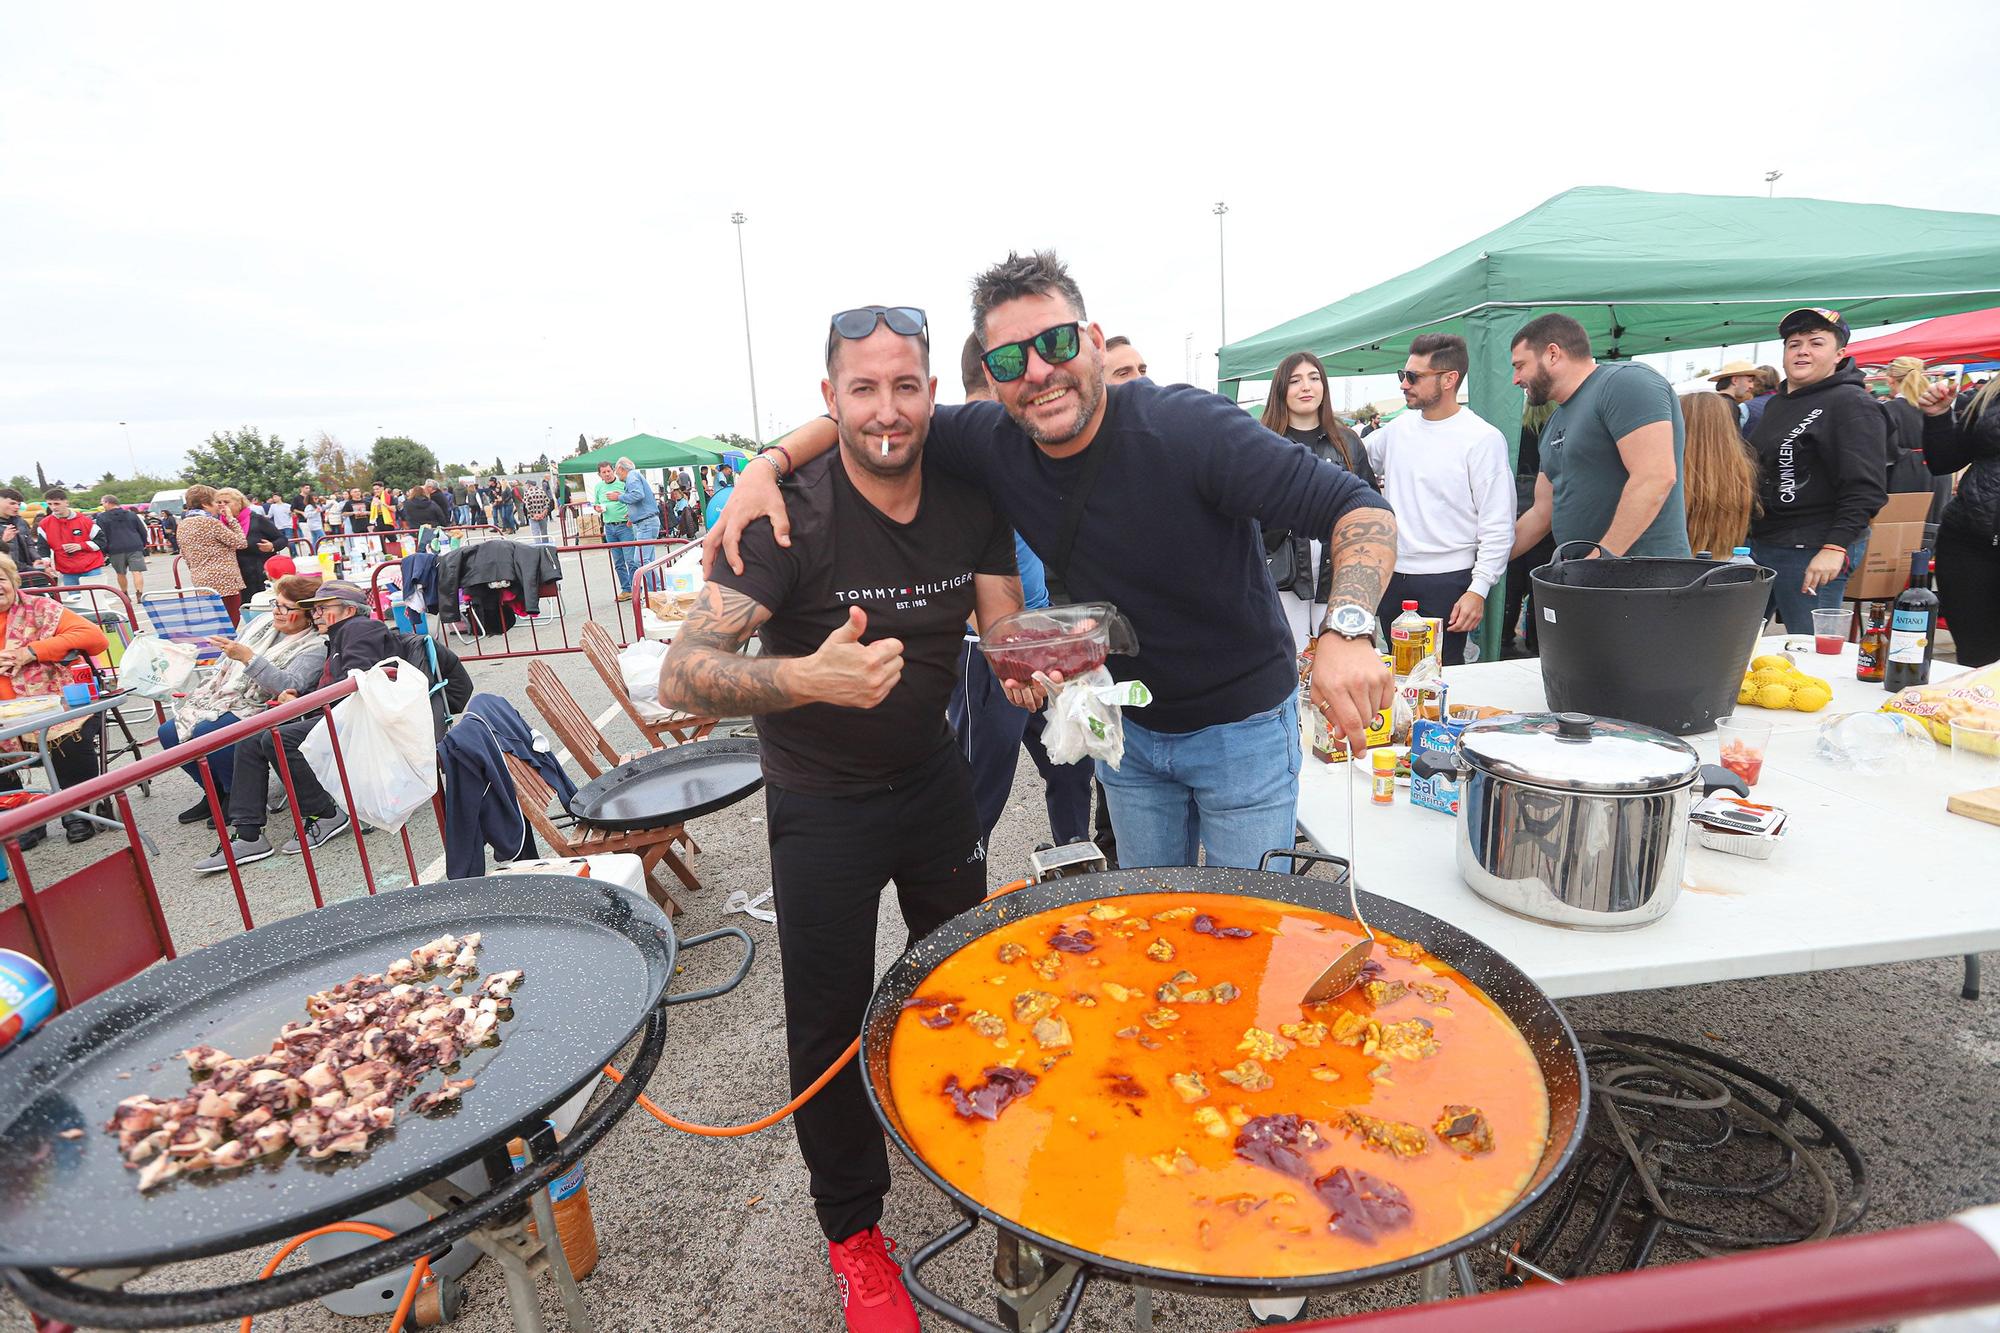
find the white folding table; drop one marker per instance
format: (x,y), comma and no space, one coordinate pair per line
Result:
(1870,870)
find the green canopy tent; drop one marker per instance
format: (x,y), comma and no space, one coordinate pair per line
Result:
(1645,273)
(645,451)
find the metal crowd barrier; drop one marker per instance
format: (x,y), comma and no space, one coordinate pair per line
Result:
(104,922)
(335,540)
(535,642)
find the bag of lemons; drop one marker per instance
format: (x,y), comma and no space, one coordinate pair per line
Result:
(1974,696)
(1775,681)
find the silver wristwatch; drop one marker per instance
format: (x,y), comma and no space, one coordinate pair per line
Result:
(1349,621)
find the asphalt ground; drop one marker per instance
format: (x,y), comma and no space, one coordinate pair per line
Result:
(702,1233)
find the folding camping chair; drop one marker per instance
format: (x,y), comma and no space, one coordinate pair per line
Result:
(189,615)
(603,655)
(568,838)
(573,727)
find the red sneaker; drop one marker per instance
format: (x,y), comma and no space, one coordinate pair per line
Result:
(871,1285)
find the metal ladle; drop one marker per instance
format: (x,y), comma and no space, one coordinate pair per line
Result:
(1345,969)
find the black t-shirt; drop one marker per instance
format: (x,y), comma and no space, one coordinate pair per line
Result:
(914,582)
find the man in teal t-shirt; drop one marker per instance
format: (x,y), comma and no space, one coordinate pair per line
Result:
(1611,454)
(609,492)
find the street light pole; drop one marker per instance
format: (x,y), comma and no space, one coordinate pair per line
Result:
(1771,179)
(743,282)
(130,457)
(1221,271)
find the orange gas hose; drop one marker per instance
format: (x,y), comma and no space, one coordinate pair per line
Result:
(737,1131)
(418,1275)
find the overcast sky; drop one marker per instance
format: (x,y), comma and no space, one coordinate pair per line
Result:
(490,226)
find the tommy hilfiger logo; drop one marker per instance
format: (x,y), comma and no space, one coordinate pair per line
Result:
(846,595)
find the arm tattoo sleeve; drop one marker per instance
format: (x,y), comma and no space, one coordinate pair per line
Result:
(1364,555)
(705,672)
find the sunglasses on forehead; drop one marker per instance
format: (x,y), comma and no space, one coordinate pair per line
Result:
(856,324)
(1009,361)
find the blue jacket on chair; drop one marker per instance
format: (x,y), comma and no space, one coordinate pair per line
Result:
(481,809)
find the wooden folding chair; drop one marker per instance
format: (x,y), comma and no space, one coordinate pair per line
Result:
(674,729)
(573,727)
(652,846)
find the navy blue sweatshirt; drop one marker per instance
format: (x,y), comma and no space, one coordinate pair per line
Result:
(1170,535)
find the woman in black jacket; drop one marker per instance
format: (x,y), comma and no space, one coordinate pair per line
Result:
(1967,435)
(262,541)
(1822,452)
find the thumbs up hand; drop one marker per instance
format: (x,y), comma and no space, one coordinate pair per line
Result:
(847,672)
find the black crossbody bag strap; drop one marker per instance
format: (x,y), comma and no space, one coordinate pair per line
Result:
(1056,568)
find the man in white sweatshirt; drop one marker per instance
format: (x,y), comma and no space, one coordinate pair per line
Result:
(1445,473)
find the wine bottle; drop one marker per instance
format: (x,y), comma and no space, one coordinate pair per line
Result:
(1912,629)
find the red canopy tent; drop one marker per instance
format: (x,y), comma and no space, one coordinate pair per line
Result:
(1974,336)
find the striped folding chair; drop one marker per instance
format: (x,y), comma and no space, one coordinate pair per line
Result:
(189,615)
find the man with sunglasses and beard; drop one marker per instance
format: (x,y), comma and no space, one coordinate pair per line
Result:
(1151,498)
(861,612)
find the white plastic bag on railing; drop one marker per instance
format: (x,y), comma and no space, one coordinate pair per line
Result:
(1086,717)
(639,663)
(387,741)
(154,668)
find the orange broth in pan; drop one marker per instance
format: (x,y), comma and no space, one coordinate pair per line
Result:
(1127,1144)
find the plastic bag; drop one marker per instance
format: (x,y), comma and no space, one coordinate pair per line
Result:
(639,664)
(1876,744)
(156,668)
(1426,679)
(1971,697)
(386,737)
(1086,717)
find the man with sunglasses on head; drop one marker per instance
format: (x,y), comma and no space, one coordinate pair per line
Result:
(861,612)
(1151,498)
(1447,473)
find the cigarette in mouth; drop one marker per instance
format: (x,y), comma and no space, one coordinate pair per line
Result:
(885,446)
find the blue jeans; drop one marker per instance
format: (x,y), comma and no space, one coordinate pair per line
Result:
(222,763)
(1231,788)
(462,513)
(623,562)
(644,530)
(71,580)
(1789,602)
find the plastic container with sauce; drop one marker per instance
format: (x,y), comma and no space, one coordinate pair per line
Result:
(1071,639)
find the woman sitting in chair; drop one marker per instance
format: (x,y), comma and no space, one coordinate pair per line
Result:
(269,655)
(36,634)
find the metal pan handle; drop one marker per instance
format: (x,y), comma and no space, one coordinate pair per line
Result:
(742,969)
(958,1314)
(1298,854)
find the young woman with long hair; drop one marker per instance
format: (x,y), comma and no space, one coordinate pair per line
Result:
(1718,476)
(1298,409)
(1907,386)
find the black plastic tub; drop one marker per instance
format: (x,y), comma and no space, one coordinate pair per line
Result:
(1663,642)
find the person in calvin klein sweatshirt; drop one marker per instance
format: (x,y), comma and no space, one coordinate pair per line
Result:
(1820,446)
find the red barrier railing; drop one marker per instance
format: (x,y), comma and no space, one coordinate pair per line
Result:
(1851,1282)
(337,540)
(86,926)
(553,607)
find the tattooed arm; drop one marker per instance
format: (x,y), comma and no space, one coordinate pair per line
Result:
(705,672)
(1349,682)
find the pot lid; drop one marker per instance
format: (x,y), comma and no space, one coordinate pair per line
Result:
(1578,752)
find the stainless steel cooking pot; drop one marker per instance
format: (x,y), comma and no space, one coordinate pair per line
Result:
(1572,819)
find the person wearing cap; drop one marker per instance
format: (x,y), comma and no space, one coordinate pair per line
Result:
(1820,447)
(354,642)
(1737,382)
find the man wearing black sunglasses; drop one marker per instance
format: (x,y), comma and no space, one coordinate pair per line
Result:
(1151,498)
(862,612)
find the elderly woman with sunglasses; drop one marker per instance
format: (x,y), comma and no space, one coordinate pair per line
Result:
(269,655)
(36,634)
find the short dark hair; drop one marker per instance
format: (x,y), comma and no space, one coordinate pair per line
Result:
(9,493)
(1446,351)
(1561,330)
(972,366)
(55,493)
(1018,275)
(1768,378)
(1116,340)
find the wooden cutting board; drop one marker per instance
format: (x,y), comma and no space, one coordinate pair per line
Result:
(1982,805)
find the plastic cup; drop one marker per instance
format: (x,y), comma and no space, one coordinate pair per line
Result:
(1830,629)
(1743,742)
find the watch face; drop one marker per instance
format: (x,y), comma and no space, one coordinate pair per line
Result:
(1349,620)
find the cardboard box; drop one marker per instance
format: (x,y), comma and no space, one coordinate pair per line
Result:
(1896,534)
